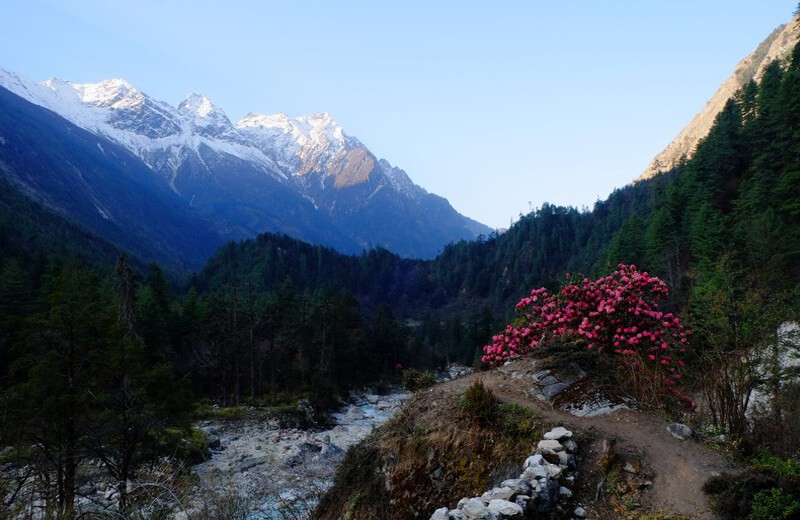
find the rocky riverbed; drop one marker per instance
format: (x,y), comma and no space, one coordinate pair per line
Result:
(277,472)
(272,469)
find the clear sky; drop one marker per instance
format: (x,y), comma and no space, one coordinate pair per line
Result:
(498,106)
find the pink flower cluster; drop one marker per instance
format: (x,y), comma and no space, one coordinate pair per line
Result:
(617,314)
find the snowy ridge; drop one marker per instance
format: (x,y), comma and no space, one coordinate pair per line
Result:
(311,154)
(159,133)
(401,182)
(156,131)
(250,176)
(305,144)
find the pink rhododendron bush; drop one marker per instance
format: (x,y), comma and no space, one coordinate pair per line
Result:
(616,316)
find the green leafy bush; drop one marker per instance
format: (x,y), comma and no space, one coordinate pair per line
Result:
(415,379)
(517,419)
(774,504)
(187,445)
(777,465)
(768,488)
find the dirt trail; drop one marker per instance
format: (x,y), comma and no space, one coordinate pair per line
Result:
(681,467)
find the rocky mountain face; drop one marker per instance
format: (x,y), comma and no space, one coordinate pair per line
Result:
(99,185)
(301,176)
(777,46)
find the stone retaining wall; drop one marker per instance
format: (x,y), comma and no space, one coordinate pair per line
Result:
(546,478)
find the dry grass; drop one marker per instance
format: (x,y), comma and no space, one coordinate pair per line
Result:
(430,455)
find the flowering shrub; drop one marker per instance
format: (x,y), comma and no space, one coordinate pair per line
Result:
(616,315)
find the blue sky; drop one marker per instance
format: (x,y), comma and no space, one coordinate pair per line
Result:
(498,106)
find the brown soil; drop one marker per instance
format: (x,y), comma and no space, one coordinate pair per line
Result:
(679,468)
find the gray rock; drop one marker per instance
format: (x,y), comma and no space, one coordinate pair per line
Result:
(533,473)
(331,451)
(680,431)
(523,501)
(563,458)
(440,514)
(501,493)
(306,451)
(548,380)
(354,413)
(629,468)
(570,445)
(505,508)
(554,471)
(520,486)
(87,489)
(455,514)
(564,492)
(551,391)
(550,445)
(558,434)
(533,460)
(580,512)
(213,442)
(462,503)
(373,399)
(475,510)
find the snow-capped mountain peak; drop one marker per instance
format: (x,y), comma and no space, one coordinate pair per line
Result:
(199,105)
(253,120)
(115,94)
(303,144)
(323,129)
(207,119)
(301,175)
(315,129)
(111,93)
